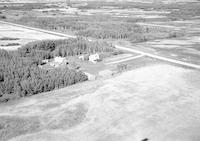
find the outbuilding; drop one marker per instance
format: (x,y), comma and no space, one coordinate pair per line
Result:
(94,58)
(81,57)
(60,60)
(90,76)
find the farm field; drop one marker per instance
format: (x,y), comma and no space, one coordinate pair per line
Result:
(184,48)
(23,36)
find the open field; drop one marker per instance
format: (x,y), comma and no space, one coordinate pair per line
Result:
(25,36)
(114,12)
(184,48)
(158,102)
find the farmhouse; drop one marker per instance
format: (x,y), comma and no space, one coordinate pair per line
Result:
(94,58)
(59,61)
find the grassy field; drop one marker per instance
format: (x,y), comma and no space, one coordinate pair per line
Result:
(184,48)
(158,102)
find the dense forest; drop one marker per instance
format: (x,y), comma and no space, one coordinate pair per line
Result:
(20,75)
(99,28)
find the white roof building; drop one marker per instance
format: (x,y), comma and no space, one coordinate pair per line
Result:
(59,60)
(81,57)
(90,76)
(94,58)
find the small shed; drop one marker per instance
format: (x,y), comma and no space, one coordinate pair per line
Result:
(81,57)
(105,73)
(90,76)
(58,61)
(45,61)
(84,57)
(94,58)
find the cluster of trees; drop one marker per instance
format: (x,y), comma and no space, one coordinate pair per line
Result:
(130,31)
(48,49)
(25,6)
(108,29)
(52,23)
(20,74)
(113,31)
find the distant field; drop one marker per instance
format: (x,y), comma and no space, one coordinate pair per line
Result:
(186,48)
(24,36)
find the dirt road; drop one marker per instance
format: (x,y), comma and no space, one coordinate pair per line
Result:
(159,57)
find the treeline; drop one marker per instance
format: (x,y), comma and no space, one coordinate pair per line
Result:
(20,75)
(100,28)
(25,6)
(113,31)
(48,49)
(129,31)
(52,23)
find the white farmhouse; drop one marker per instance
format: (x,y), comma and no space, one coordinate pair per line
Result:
(94,58)
(59,60)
